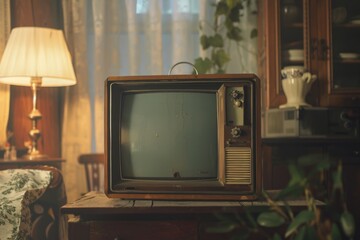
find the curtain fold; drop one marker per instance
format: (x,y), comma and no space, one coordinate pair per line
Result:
(77,129)
(120,37)
(5,28)
(154,34)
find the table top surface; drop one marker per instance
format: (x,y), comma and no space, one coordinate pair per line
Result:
(34,161)
(97,203)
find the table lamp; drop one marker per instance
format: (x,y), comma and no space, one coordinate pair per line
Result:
(36,57)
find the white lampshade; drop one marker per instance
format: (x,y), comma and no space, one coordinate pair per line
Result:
(37,52)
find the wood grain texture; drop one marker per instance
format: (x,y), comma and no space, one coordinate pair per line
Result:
(151,230)
(99,217)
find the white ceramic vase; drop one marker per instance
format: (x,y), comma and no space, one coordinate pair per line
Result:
(296,88)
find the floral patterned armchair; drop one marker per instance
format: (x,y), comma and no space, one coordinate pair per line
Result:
(30,201)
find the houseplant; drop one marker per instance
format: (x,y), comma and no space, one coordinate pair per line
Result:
(224,31)
(326,219)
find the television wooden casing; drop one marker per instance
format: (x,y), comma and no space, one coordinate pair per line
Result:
(188,190)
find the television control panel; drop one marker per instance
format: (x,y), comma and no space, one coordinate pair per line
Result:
(235,98)
(237,130)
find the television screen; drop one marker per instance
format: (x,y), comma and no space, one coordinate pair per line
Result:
(169,135)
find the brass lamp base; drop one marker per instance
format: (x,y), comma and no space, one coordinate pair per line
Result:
(34,156)
(34,116)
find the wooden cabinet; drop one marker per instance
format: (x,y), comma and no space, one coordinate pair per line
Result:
(321,35)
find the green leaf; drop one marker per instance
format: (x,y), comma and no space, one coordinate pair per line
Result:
(297,175)
(222,227)
(294,190)
(203,65)
(323,165)
(230,3)
(221,8)
(220,57)
(276,237)
(240,3)
(270,219)
(228,24)
(204,41)
(347,224)
(335,232)
(319,161)
(234,14)
(220,71)
(216,41)
(310,233)
(254,33)
(301,234)
(306,232)
(235,34)
(337,179)
(309,159)
(303,217)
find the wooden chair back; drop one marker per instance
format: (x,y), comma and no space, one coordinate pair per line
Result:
(93,163)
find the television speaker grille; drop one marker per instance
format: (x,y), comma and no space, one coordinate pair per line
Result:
(238,165)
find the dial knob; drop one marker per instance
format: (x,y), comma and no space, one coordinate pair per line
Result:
(237,98)
(237,95)
(236,132)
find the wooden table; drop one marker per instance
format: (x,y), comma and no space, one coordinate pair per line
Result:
(95,216)
(20,163)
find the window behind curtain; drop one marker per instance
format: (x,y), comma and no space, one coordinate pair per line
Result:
(115,57)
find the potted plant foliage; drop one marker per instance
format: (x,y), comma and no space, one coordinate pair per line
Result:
(327,218)
(224,30)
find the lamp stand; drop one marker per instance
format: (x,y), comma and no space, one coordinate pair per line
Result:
(34,116)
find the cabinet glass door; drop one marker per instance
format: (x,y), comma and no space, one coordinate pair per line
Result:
(345,45)
(291,33)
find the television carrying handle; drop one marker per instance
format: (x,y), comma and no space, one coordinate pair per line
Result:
(176,64)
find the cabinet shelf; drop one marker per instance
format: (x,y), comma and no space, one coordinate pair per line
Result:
(347,61)
(311,140)
(292,62)
(347,25)
(294,25)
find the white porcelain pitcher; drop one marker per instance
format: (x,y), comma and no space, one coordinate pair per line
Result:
(292,71)
(296,89)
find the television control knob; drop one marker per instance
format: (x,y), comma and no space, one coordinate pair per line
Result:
(238,103)
(236,132)
(238,98)
(237,95)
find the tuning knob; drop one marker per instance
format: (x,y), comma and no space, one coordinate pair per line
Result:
(236,132)
(238,98)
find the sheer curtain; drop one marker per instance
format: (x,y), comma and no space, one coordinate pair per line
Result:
(4,89)
(121,37)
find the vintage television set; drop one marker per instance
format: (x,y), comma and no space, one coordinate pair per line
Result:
(183,137)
